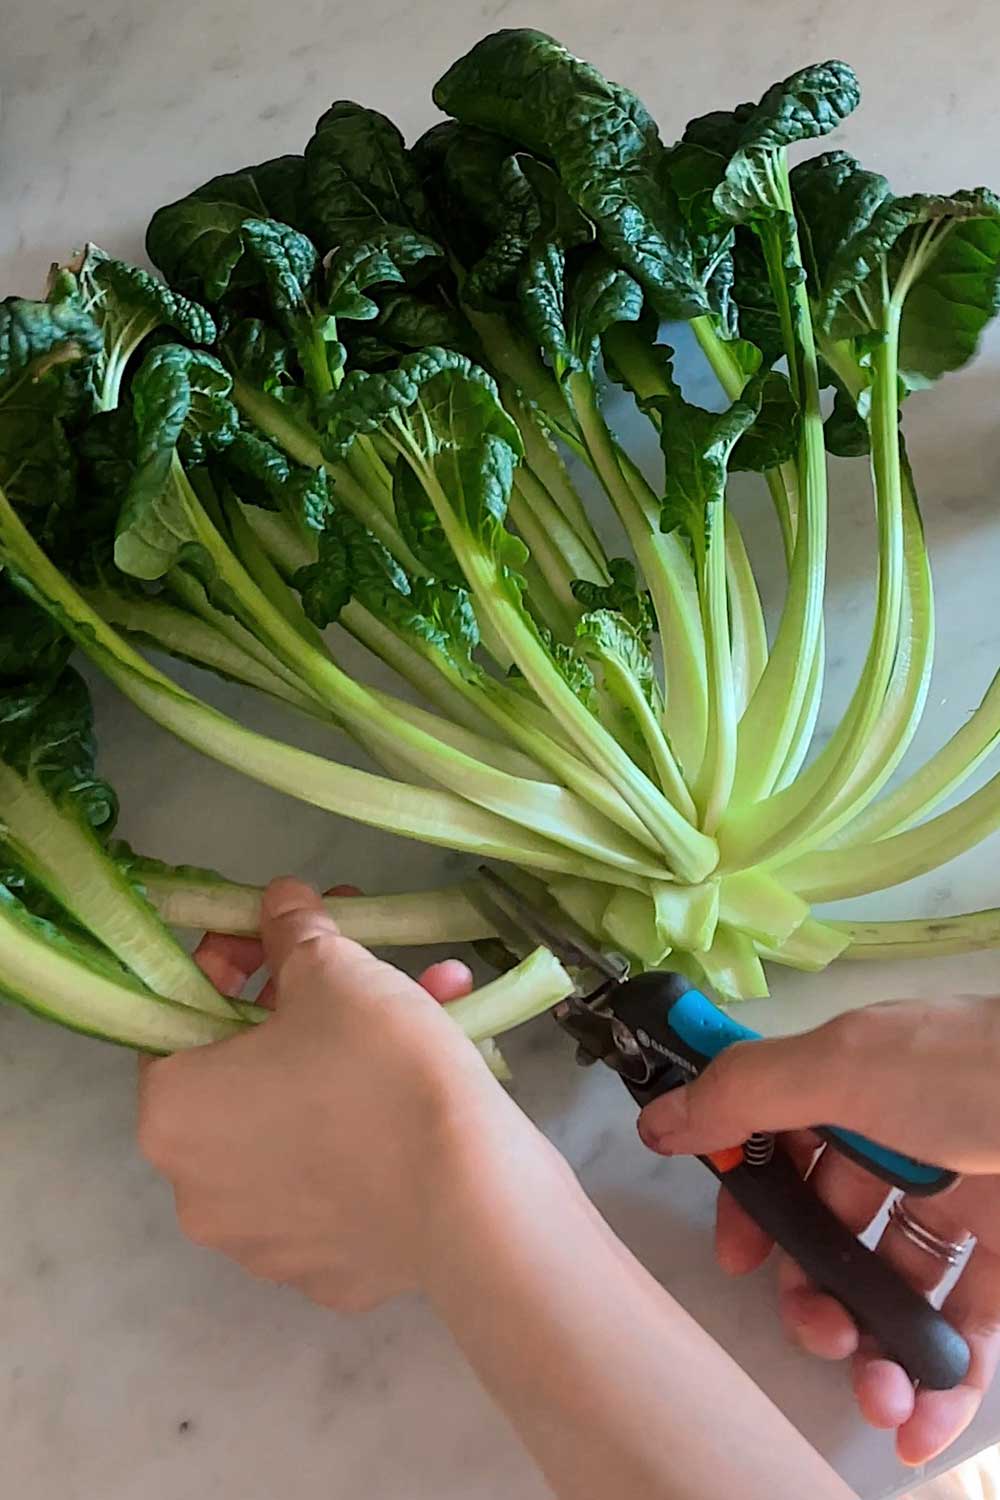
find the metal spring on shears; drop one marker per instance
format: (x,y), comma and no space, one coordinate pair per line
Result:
(759,1149)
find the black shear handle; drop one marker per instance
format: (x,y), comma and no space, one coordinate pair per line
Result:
(908,1329)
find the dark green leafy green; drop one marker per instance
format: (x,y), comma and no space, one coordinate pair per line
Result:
(47,734)
(48,356)
(262,355)
(198,242)
(288,261)
(33,649)
(351,563)
(359,177)
(129,303)
(623,594)
(803,107)
(697,445)
(261,474)
(607,152)
(173,388)
(598,296)
(774,436)
(937,258)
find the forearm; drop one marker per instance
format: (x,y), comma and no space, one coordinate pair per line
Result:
(610,1385)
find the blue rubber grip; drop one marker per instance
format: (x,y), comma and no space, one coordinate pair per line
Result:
(707,1030)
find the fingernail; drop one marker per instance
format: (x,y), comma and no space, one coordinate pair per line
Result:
(652,1140)
(666,1115)
(286,894)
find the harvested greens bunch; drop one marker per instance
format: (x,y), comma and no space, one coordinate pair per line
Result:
(351,403)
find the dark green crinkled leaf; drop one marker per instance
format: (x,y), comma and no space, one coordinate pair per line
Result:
(33,649)
(386,256)
(365,402)
(38,337)
(599,295)
(774,436)
(359,177)
(198,241)
(946,248)
(835,201)
(129,302)
(478,191)
(697,445)
(441,617)
(406,321)
(260,354)
(622,595)
(287,260)
(260,473)
(804,107)
(172,388)
(472,446)
(445,415)
(46,732)
(606,149)
(83,538)
(514,221)
(48,351)
(351,563)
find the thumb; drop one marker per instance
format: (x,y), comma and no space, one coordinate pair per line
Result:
(787,1084)
(292,915)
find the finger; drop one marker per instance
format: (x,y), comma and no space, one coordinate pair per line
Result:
(882,1389)
(268,996)
(879,1383)
(946,1216)
(291,914)
(740,1243)
(447,981)
(973,1307)
(304,945)
(229,961)
(850,1072)
(767,1085)
(812,1319)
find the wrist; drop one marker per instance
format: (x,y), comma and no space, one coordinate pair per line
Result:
(494,1176)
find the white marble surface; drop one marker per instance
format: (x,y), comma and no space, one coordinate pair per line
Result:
(132,1365)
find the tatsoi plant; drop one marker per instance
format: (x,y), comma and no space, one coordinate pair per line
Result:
(350,406)
(81,942)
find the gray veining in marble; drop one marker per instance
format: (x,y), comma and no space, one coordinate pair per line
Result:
(133,1366)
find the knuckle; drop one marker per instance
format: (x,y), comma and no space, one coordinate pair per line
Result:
(310,959)
(854,1032)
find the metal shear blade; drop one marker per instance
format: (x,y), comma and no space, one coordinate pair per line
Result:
(519,921)
(521,926)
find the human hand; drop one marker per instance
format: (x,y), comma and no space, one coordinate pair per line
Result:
(328,1148)
(920,1077)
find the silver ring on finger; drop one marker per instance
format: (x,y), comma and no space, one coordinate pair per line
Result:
(950,1252)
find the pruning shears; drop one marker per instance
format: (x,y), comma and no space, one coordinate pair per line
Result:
(658,1031)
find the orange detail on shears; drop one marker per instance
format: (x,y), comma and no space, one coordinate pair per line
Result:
(725,1161)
